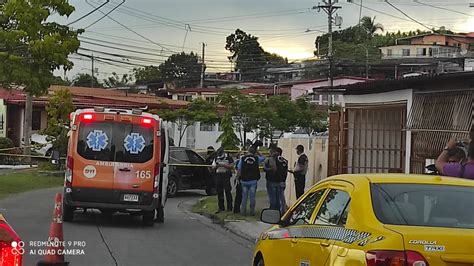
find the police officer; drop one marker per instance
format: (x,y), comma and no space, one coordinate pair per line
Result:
(300,170)
(281,175)
(273,184)
(249,174)
(223,165)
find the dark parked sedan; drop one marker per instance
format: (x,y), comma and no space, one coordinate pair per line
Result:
(183,177)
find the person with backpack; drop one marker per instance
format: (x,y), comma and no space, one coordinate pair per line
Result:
(299,172)
(462,169)
(273,185)
(223,165)
(249,174)
(281,175)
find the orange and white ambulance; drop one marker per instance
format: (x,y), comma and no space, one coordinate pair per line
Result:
(117,161)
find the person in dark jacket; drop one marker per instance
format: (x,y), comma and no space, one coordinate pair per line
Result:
(249,174)
(238,191)
(273,185)
(299,173)
(281,175)
(223,165)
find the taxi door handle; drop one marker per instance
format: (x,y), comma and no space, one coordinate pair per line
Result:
(325,244)
(294,240)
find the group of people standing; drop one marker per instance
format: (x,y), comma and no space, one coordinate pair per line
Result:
(247,167)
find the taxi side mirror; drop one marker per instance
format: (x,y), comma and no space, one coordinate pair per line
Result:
(270,216)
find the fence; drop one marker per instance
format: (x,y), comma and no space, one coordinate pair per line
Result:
(316,148)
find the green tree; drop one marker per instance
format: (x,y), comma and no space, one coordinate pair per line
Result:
(244,110)
(285,114)
(85,80)
(59,107)
(275,60)
(115,81)
(228,138)
(147,75)
(59,81)
(198,110)
(32,46)
(249,57)
(183,70)
(370,27)
(309,117)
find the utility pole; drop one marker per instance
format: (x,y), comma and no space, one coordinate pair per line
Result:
(330,9)
(92,77)
(203,67)
(366,63)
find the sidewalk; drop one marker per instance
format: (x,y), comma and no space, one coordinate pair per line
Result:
(248,227)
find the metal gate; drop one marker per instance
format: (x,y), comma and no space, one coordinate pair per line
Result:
(373,139)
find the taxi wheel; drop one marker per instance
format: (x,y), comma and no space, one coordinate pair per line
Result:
(258,261)
(148,218)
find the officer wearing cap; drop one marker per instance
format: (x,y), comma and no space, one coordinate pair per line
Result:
(300,170)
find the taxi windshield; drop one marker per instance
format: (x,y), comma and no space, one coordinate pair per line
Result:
(424,205)
(119,142)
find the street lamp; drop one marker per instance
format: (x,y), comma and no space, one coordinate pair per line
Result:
(366,60)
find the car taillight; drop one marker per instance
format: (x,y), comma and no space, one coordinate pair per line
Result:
(394,258)
(11,249)
(157,177)
(69,171)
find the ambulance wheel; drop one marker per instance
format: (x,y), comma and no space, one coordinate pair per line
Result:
(160,214)
(148,218)
(68,213)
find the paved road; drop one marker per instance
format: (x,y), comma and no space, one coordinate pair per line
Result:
(184,239)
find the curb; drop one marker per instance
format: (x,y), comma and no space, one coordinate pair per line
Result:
(216,220)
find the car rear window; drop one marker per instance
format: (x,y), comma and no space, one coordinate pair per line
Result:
(119,142)
(424,205)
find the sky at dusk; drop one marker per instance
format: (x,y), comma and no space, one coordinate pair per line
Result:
(285,27)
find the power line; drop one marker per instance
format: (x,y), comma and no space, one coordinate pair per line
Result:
(397,17)
(86,15)
(442,8)
(239,17)
(129,29)
(110,11)
(406,15)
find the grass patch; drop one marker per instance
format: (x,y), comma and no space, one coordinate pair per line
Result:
(208,206)
(25,180)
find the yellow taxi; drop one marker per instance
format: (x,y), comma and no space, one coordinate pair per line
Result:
(374,220)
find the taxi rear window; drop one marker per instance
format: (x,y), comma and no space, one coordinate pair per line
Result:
(424,205)
(112,141)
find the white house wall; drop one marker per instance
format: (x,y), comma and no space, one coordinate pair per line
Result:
(202,139)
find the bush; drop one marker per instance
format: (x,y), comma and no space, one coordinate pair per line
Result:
(5,143)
